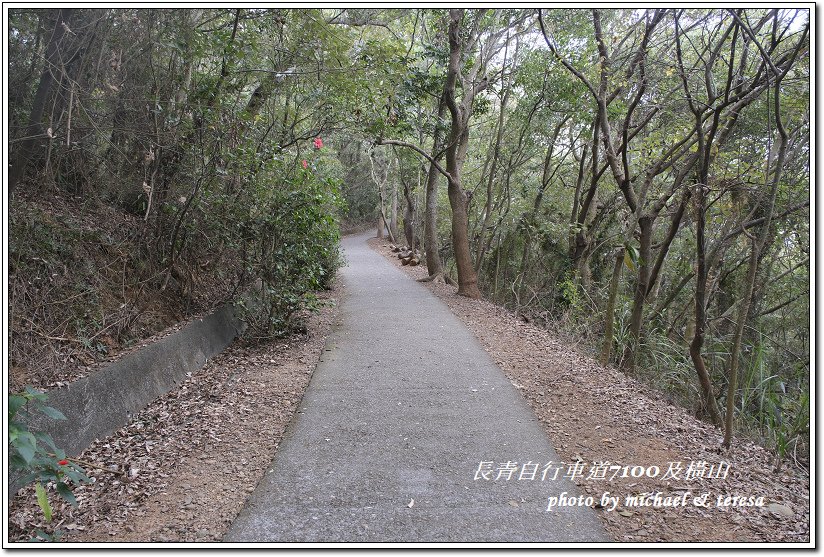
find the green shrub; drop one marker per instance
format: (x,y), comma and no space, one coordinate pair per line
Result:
(289,239)
(35,456)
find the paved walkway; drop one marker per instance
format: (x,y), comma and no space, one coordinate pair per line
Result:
(404,405)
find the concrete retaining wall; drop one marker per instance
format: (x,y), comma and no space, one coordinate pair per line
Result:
(98,405)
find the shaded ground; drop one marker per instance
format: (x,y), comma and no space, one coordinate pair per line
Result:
(595,414)
(186,464)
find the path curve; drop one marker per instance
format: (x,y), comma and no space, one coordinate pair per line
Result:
(404,406)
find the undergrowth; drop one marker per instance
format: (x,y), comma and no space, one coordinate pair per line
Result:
(772,407)
(76,287)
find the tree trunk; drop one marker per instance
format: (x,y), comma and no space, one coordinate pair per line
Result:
(645,223)
(467,278)
(496,151)
(44,90)
(382,221)
(430,236)
(648,274)
(459,202)
(609,317)
(735,351)
(381,226)
(408,217)
(393,216)
(580,243)
(455,157)
(576,200)
(758,244)
(707,394)
(497,268)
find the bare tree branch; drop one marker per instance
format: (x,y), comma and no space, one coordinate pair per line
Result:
(417,149)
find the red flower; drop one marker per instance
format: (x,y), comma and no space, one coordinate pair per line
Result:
(318,143)
(63,462)
(305,164)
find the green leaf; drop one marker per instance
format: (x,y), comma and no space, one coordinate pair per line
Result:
(26,445)
(17,463)
(43,501)
(66,492)
(35,395)
(76,474)
(53,413)
(46,439)
(16,402)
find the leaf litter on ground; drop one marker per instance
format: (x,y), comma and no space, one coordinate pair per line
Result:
(594,414)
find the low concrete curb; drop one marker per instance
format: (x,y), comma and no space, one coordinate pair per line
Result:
(98,405)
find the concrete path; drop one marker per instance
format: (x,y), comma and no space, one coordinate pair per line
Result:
(405,405)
